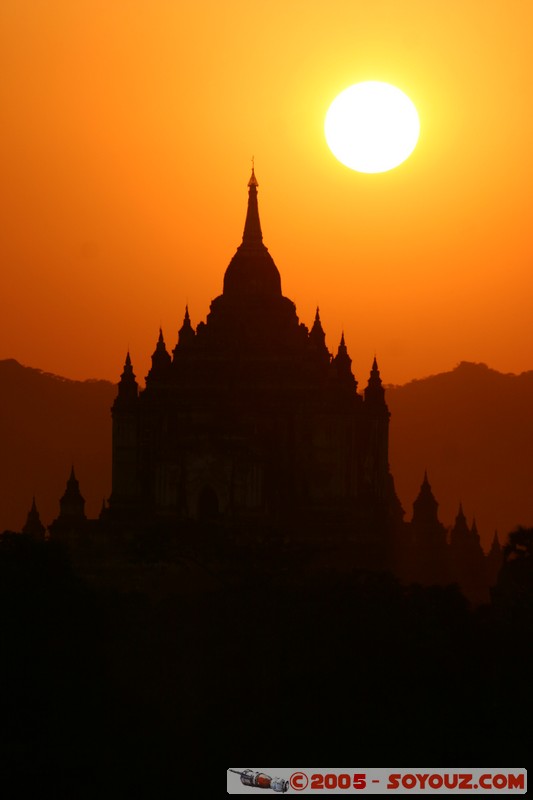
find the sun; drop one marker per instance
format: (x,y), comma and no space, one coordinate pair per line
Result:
(372,127)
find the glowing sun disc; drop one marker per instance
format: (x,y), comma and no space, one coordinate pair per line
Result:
(372,127)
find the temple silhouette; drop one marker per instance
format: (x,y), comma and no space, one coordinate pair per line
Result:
(251,422)
(253,546)
(251,430)
(434,556)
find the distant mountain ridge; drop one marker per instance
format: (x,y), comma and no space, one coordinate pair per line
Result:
(472,428)
(47,423)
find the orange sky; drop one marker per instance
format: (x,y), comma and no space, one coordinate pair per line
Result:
(127,128)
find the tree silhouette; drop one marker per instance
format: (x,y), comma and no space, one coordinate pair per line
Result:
(519,546)
(514,589)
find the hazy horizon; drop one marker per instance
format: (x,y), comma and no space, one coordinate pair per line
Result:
(360,377)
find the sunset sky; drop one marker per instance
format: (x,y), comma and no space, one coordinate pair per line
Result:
(127,129)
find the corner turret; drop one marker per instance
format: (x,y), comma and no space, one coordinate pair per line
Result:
(186,334)
(161,361)
(342,365)
(425,507)
(71,521)
(33,526)
(317,339)
(374,392)
(128,388)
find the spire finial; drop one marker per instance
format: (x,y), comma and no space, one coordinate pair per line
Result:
(253,179)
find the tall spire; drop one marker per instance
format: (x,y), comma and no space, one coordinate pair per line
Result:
(252,234)
(252,272)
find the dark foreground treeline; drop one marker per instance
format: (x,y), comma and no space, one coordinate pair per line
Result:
(141,687)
